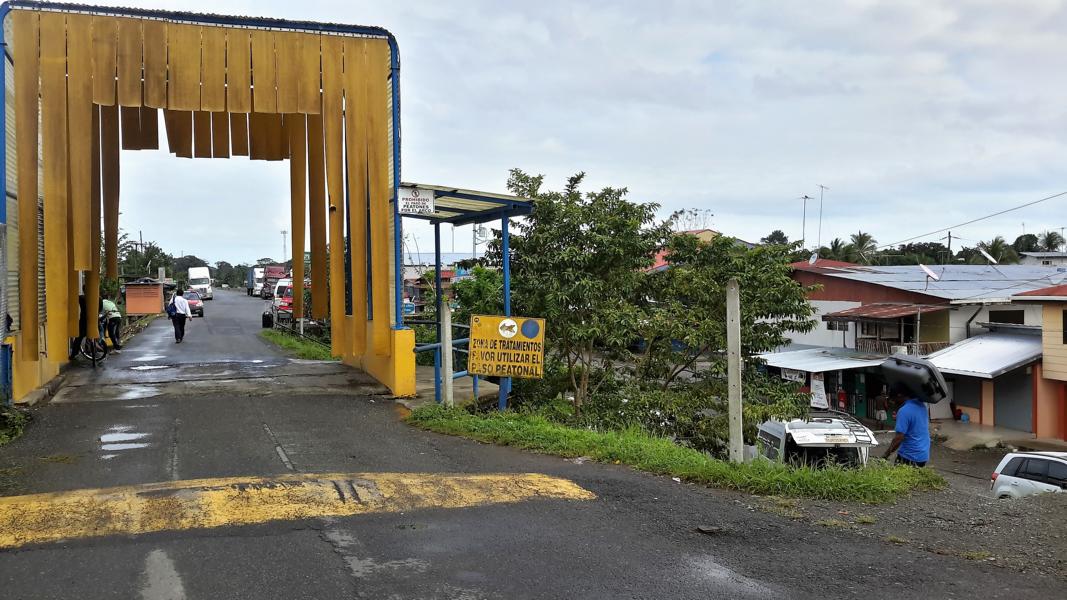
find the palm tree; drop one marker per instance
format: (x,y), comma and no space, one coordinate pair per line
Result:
(837,250)
(863,247)
(998,249)
(1050,241)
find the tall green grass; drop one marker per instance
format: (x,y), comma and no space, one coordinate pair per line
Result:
(877,483)
(297,345)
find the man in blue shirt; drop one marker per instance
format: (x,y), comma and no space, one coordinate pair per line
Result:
(913,430)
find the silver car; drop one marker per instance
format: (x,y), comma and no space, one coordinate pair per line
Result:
(1022,474)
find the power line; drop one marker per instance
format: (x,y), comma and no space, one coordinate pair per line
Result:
(996,214)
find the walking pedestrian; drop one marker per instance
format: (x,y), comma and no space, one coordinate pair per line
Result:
(912,440)
(181,313)
(114,323)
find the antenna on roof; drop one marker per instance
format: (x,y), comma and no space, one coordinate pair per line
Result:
(987,255)
(929,275)
(814,258)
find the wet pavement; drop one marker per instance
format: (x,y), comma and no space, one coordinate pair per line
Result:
(206,409)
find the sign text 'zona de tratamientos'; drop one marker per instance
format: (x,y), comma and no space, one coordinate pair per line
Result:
(507,347)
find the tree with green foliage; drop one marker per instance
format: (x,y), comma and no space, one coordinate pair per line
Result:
(1050,241)
(998,249)
(837,250)
(861,248)
(686,319)
(1026,242)
(775,238)
(481,293)
(579,261)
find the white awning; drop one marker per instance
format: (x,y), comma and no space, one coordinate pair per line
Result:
(988,356)
(819,360)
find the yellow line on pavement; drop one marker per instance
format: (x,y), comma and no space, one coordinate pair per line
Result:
(205,503)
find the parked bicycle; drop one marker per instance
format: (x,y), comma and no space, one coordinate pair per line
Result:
(96,350)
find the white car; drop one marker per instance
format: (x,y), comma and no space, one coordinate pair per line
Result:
(1021,474)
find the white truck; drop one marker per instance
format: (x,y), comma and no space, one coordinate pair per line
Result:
(254,281)
(200,281)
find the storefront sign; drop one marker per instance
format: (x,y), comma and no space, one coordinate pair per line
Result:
(415,201)
(818,391)
(507,347)
(794,375)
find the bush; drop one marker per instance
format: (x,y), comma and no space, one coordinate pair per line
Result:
(12,423)
(880,482)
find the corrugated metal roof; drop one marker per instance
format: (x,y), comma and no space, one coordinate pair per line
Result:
(988,356)
(1056,291)
(958,283)
(1045,254)
(459,206)
(882,311)
(820,360)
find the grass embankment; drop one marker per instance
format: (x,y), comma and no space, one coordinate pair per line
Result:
(877,483)
(12,422)
(300,347)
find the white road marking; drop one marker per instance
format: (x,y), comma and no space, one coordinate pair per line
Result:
(160,578)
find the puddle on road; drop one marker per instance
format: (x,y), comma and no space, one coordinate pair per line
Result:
(108,456)
(149,367)
(116,447)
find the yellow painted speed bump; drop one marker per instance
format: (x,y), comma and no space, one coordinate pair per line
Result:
(205,503)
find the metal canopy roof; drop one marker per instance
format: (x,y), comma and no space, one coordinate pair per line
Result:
(819,360)
(988,356)
(881,311)
(462,207)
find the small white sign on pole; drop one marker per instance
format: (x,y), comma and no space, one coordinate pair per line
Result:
(415,201)
(818,391)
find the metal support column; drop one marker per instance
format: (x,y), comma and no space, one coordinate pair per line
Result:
(505,249)
(437,311)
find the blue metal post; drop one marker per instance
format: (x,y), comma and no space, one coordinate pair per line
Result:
(505,247)
(398,248)
(437,313)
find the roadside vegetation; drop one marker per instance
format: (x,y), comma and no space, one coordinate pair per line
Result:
(12,423)
(637,448)
(298,346)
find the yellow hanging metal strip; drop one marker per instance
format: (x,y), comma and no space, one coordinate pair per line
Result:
(220,135)
(239,133)
(26,26)
(129,62)
(213,75)
(92,276)
(287,50)
(54,151)
(183,67)
(264,73)
(105,60)
(179,125)
(155,63)
(296,126)
(332,123)
(149,128)
(356,154)
(131,127)
(238,72)
(80,121)
(202,134)
(309,93)
(109,167)
(317,217)
(378,167)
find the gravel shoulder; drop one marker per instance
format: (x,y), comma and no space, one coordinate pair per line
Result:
(1025,536)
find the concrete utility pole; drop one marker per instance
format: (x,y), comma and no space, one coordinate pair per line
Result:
(733,368)
(285,250)
(804,222)
(822,188)
(446,355)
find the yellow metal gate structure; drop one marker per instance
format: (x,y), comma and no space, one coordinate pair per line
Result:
(90,81)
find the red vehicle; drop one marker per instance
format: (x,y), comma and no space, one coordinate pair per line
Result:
(196,303)
(271,275)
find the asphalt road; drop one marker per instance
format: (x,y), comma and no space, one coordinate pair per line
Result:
(225,404)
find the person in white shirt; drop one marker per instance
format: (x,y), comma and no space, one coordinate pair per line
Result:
(181,313)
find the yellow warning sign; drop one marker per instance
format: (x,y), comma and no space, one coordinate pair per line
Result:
(507,347)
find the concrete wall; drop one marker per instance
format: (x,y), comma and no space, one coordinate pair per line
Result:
(958,318)
(821,336)
(1056,261)
(967,391)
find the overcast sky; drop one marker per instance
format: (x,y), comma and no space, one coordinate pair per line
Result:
(915,114)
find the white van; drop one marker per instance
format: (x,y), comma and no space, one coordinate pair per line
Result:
(200,281)
(824,436)
(280,289)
